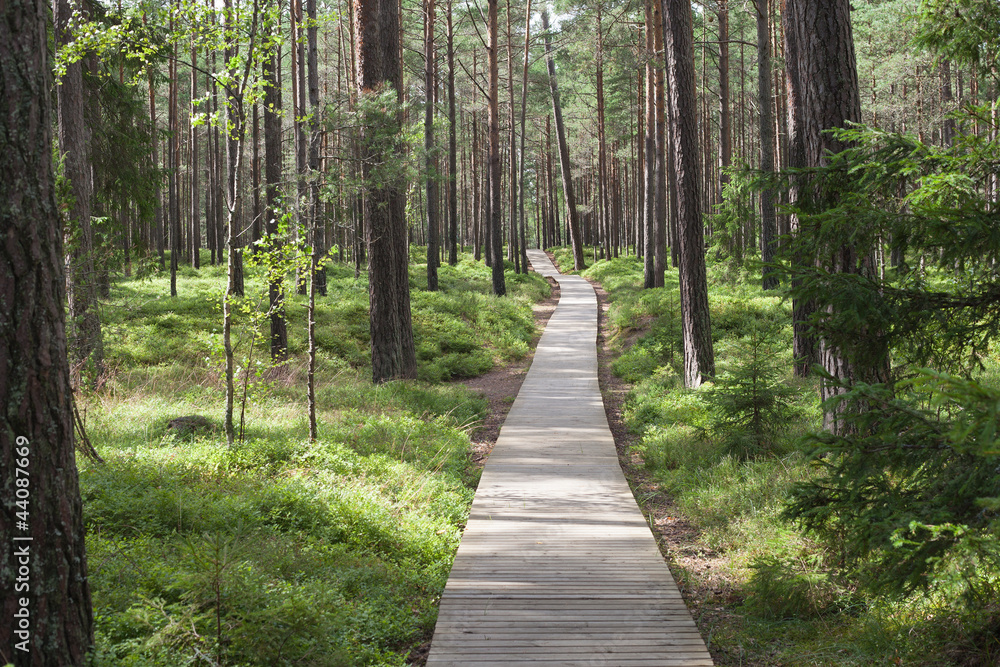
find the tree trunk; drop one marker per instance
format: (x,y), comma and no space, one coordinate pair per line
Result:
(493,156)
(649,153)
(195,233)
(430,163)
(47,614)
(768,220)
(572,220)
(272,180)
(513,250)
(84,325)
(660,156)
(823,94)
(699,363)
(379,74)
(452,150)
(725,103)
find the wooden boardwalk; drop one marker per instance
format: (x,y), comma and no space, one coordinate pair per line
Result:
(557,565)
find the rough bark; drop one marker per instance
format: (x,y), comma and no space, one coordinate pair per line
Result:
(378,70)
(493,156)
(46,553)
(768,219)
(272,185)
(725,103)
(524,108)
(430,164)
(572,219)
(823,94)
(649,153)
(452,150)
(699,362)
(513,251)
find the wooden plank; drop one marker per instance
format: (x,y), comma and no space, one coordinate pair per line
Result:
(557,566)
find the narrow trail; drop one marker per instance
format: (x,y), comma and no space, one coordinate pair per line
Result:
(557,565)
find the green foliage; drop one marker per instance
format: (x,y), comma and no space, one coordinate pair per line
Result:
(279,551)
(938,307)
(785,588)
(734,215)
(751,406)
(909,496)
(965,30)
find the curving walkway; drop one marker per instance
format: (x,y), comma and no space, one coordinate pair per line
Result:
(557,565)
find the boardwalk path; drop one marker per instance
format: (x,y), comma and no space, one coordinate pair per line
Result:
(557,565)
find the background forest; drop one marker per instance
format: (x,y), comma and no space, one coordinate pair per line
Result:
(263,484)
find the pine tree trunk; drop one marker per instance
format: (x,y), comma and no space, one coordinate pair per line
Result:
(43,533)
(430,163)
(572,219)
(452,150)
(493,156)
(377,34)
(768,220)
(823,94)
(273,179)
(725,102)
(513,251)
(84,324)
(649,173)
(660,159)
(699,362)
(195,235)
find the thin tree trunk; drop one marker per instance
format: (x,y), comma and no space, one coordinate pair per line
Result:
(430,163)
(725,103)
(649,182)
(495,221)
(513,251)
(272,179)
(660,162)
(195,205)
(84,324)
(572,220)
(452,150)
(768,220)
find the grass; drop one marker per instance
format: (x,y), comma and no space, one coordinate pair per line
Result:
(772,596)
(280,551)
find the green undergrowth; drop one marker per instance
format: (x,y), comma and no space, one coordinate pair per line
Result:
(279,551)
(728,454)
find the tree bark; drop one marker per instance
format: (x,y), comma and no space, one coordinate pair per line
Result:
(493,156)
(452,150)
(44,534)
(380,82)
(430,163)
(84,325)
(823,94)
(725,102)
(572,219)
(272,188)
(513,251)
(649,153)
(699,362)
(768,219)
